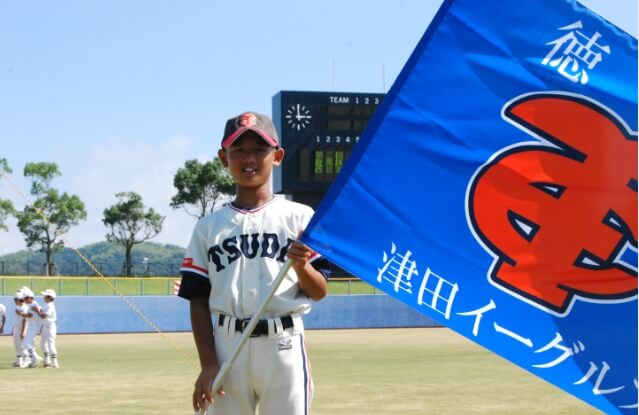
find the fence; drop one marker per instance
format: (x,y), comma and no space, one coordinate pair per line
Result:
(87,285)
(79,268)
(112,315)
(90,285)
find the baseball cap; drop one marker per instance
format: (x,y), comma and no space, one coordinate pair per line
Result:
(48,292)
(19,295)
(27,292)
(253,121)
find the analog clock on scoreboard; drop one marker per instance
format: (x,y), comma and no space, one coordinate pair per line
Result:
(318,130)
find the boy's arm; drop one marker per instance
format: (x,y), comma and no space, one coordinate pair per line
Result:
(2,320)
(311,281)
(23,331)
(23,315)
(205,343)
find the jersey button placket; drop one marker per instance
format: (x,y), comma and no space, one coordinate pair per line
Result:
(251,275)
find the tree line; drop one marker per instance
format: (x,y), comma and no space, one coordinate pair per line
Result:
(199,187)
(107,258)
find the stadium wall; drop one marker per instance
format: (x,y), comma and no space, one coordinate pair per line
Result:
(169,313)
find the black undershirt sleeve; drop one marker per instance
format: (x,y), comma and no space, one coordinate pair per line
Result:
(323,266)
(194,285)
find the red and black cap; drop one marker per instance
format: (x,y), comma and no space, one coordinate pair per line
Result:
(253,121)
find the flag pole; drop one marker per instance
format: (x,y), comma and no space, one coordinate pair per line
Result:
(246,333)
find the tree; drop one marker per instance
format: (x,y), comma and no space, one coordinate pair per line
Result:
(4,166)
(130,224)
(202,185)
(51,215)
(6,210)
(6,207)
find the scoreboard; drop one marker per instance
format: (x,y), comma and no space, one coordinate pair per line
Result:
(318,131)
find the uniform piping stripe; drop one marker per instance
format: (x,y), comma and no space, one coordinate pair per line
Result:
(196,270)
(315,256)
(308,382)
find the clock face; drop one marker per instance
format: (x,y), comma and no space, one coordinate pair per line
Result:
(298,117)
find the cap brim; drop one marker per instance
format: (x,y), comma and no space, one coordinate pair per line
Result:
(237,133)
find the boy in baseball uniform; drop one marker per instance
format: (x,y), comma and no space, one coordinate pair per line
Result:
(33,326)
(234,255)
(49,330)
(19,330)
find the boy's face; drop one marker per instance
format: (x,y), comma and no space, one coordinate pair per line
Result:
(48,298)
(250,160)
(18,301)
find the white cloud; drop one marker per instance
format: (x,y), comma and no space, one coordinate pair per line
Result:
(11,240)
(97,172)
(120,165)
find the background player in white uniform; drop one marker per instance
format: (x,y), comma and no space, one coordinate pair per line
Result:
(33,326)
(233,257)
(19,330)
(49,330)
(3,317)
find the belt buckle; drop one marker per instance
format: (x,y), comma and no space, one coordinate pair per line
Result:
(243,324)
(253,333)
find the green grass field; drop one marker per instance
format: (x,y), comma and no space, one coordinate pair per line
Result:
(361,372)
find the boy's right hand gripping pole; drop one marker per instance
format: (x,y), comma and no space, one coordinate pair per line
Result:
(226,366)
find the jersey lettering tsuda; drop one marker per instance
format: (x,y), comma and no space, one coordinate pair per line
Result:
(241,252)
(249,246)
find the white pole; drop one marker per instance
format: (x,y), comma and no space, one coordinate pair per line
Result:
(246,333)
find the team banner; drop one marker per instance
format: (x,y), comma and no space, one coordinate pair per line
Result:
(495,190)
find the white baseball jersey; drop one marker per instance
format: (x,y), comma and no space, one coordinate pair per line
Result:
(242,251)
(49,310)
(17,331)
(17,322)
(34,321)
(34,324)
(3,316)
(49,333)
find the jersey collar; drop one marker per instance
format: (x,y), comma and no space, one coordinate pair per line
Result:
(242,210)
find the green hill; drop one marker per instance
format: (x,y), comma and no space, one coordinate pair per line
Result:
(107,257)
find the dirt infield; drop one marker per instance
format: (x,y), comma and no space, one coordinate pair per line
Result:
(390,371)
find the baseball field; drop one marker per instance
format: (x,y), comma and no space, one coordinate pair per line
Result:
(383,371)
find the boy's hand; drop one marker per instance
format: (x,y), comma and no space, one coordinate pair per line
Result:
(311,281)
(202,393)
(300,254)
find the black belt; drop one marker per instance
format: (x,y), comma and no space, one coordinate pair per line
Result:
(261,328)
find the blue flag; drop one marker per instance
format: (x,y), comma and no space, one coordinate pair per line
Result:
(495,190)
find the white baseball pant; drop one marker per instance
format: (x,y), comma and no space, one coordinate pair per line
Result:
(272,372)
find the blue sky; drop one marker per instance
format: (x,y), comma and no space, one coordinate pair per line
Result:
(120,93)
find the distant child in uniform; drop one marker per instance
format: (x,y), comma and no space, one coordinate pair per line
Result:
(3,317)
(33,326)
(19,330)
(49,330)
(234,255)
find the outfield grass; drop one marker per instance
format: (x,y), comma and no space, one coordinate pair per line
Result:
(356,372)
